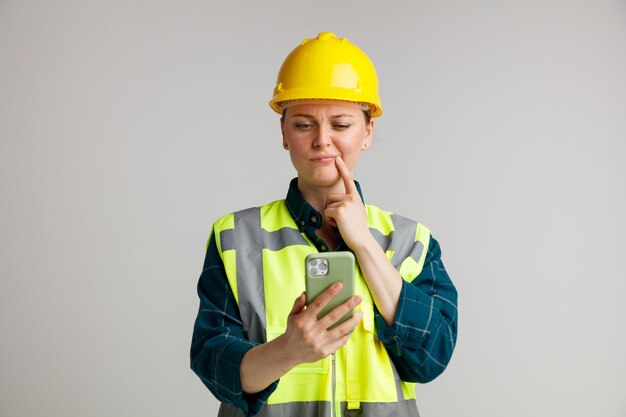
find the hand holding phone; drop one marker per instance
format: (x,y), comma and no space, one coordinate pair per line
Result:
(323,270)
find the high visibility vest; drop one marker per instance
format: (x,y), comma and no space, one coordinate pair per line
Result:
(263,253)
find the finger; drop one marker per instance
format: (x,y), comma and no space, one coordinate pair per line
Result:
(333,202)
(346,175)
(347,326)
(332,198)
(338,312)
(334,346)
(298,304)
(332,222)
(329,214)
(321,300)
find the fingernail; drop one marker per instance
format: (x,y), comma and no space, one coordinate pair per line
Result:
(338,285)
(357,299)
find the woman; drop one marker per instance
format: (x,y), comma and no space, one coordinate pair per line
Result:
(261,352)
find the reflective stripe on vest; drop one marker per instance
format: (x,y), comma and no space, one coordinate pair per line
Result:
(322,408)
(263,254)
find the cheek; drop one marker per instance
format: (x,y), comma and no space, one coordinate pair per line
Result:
(350,147)
(297,152)
(351,156)
(297,146)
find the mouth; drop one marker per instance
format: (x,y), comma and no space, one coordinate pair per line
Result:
(324,158)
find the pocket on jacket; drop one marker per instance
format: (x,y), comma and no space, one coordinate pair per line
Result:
(318,367)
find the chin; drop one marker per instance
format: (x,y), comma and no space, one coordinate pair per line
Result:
(322,180)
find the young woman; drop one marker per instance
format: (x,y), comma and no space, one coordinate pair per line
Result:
(256,344)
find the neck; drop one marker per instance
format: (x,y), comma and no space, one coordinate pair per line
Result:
(316,196)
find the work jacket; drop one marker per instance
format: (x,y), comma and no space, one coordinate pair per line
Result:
(263,253)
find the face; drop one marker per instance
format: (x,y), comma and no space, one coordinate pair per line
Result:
(315,134)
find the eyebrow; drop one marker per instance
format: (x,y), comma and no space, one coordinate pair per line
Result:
(310,116)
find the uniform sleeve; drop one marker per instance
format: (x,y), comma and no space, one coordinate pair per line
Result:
(423,335)
(218,342)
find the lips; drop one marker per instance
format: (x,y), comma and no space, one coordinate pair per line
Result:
(324,158)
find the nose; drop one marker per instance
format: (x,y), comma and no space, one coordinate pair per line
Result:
(322,137)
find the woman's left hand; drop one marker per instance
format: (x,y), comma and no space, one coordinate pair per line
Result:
(346,211)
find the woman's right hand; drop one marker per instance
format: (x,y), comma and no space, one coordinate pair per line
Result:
(307,338)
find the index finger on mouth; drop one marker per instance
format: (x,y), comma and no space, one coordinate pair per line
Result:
(346,175)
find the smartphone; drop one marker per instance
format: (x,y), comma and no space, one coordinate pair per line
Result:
(323,270)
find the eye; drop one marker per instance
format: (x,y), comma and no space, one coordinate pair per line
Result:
(341,126)
(303,126)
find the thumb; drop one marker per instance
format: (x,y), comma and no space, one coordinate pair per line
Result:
(328,213)
(299,304)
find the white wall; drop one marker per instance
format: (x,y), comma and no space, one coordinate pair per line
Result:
(127,127)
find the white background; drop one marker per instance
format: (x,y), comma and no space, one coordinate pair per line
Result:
(128,127)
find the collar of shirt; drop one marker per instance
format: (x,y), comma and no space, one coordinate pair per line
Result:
(307,218)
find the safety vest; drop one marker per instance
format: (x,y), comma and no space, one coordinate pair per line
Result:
(263,253)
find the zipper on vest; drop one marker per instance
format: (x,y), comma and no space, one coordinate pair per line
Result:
(333,412)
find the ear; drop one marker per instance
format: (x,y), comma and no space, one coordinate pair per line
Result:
(369,133)
(282,131)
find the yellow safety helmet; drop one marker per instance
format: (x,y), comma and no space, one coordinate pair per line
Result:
(327,68)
